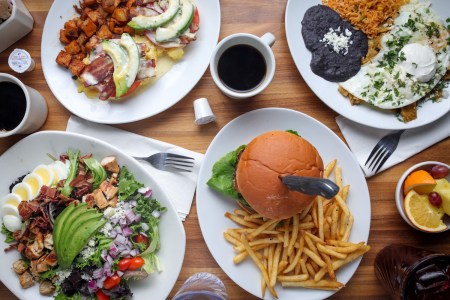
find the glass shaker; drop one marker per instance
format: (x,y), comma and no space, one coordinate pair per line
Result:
(202,286)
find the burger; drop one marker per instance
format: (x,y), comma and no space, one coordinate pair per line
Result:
(252,173)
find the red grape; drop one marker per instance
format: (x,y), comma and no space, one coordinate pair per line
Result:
(439,171)
(435,199)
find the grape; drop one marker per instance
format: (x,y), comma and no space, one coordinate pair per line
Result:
(439,171)
(435,199)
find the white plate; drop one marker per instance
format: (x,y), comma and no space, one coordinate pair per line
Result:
(211,205)
(24,156)
(327,91)
(148,101)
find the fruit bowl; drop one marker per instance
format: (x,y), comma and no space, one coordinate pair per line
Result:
(421,185)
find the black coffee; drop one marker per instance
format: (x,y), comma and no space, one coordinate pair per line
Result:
(12,105)
(242,68)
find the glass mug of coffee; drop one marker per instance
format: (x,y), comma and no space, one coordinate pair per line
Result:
(22,109)
(243,65)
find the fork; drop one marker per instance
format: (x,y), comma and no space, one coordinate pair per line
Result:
(383,150)
(170,162)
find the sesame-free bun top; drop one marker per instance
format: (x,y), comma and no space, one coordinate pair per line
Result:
(265,158)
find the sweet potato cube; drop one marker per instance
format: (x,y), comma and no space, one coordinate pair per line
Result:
(72,47)
(79,56)
(93,41)
(76,67)
(110,5)
(89,27)
(71,24)
(90,2)
(63,38)
(117,30)
(82,38)
(120,14)
(129,30)
(63,59)
(96,17)
(104,32)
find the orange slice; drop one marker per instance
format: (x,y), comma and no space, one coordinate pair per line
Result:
(423,214)
(421,181)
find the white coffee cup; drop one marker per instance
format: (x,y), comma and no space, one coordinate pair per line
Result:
(262,44)
(35,112)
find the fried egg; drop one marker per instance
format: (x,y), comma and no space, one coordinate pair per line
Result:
(414,57)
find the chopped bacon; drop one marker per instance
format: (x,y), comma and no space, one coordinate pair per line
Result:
(106,88)
(26,209)
(12,247)
(97,71)
(146,69)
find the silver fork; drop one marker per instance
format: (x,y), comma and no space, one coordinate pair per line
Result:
(170,162)
(383,150)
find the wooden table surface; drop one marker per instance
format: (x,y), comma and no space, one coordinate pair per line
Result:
(287,90)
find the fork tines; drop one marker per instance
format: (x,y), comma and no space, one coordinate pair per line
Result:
(179,162)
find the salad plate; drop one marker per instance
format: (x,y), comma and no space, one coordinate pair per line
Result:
(211,206)
(147,101)
(33,150)
(327,91)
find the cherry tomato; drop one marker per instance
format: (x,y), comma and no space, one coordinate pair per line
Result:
(195,22)
(111,282)
(136,263)
(101,296)
(140,238)
(123,264)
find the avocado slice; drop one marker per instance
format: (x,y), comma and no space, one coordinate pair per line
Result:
(125,57)
(144,22)
(175,28)
(78,241)
(59,223)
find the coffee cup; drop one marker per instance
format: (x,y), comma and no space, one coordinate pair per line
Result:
(22,109)
(243,65)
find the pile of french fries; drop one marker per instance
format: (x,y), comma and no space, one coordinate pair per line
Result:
(305,250)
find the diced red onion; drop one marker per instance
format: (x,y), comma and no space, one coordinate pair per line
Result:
(145,226)
(133,203)
(121,247)
(109,259)
(134,252)
(104,254)
(92,286)
(118,229)
(156,214)
(113,251)
(100,283)
(107,265)
(143,233)
(125,252)
(137,218)
(120,239)
(127,231)
(122,222)
(120,273)
(129,215)
(113,234)
(97,273)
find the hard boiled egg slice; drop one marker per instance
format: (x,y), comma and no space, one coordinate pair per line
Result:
(12,223)
(45,173)
(35,182)
(9,209)
(60,170)
(12,199)
(24,191)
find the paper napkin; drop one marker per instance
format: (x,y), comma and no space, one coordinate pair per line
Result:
(362,139)
(180,187)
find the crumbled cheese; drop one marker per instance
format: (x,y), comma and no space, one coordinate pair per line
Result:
(87,252)
(109,212)
(119,211)
(106,229)
(62,275)
(339,41)
(85,276)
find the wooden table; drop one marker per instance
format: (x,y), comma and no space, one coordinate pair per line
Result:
(287,90)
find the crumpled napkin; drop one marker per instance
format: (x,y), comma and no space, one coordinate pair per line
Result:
(362,139)
(180,187)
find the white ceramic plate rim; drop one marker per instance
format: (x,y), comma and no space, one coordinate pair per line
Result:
(149,100)
(400,199)
(211,206)
(32,151)
(328,92)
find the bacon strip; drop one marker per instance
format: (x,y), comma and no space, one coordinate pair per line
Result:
(97,71)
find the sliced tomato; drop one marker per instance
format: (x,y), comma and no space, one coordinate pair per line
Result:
(123,264)
(132,88)
(195,25)
(111,282)
(140,238)
(136,263)
(101,296)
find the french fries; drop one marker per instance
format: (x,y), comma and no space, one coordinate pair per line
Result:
(304,251)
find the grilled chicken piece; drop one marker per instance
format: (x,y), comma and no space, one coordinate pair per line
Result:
(20,266)
(48,241)
(26,280)
(46,288)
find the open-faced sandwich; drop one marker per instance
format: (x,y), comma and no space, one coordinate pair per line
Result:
(114,46)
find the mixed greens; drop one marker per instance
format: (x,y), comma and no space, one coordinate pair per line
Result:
(86,236)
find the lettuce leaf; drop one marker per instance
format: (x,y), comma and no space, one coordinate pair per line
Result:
(73,157)
(9,234)
(223,176)
(98,172)
(128,185)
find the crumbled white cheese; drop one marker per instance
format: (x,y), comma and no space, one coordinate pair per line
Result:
(106,229)
(87,252)
(119,211)
(85,276)
(62,275)
(109,212)
(339,41)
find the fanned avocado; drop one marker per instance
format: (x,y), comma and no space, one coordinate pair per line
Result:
(125,56)
(144,22)
(179,25)
(73,228)
(59,223)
